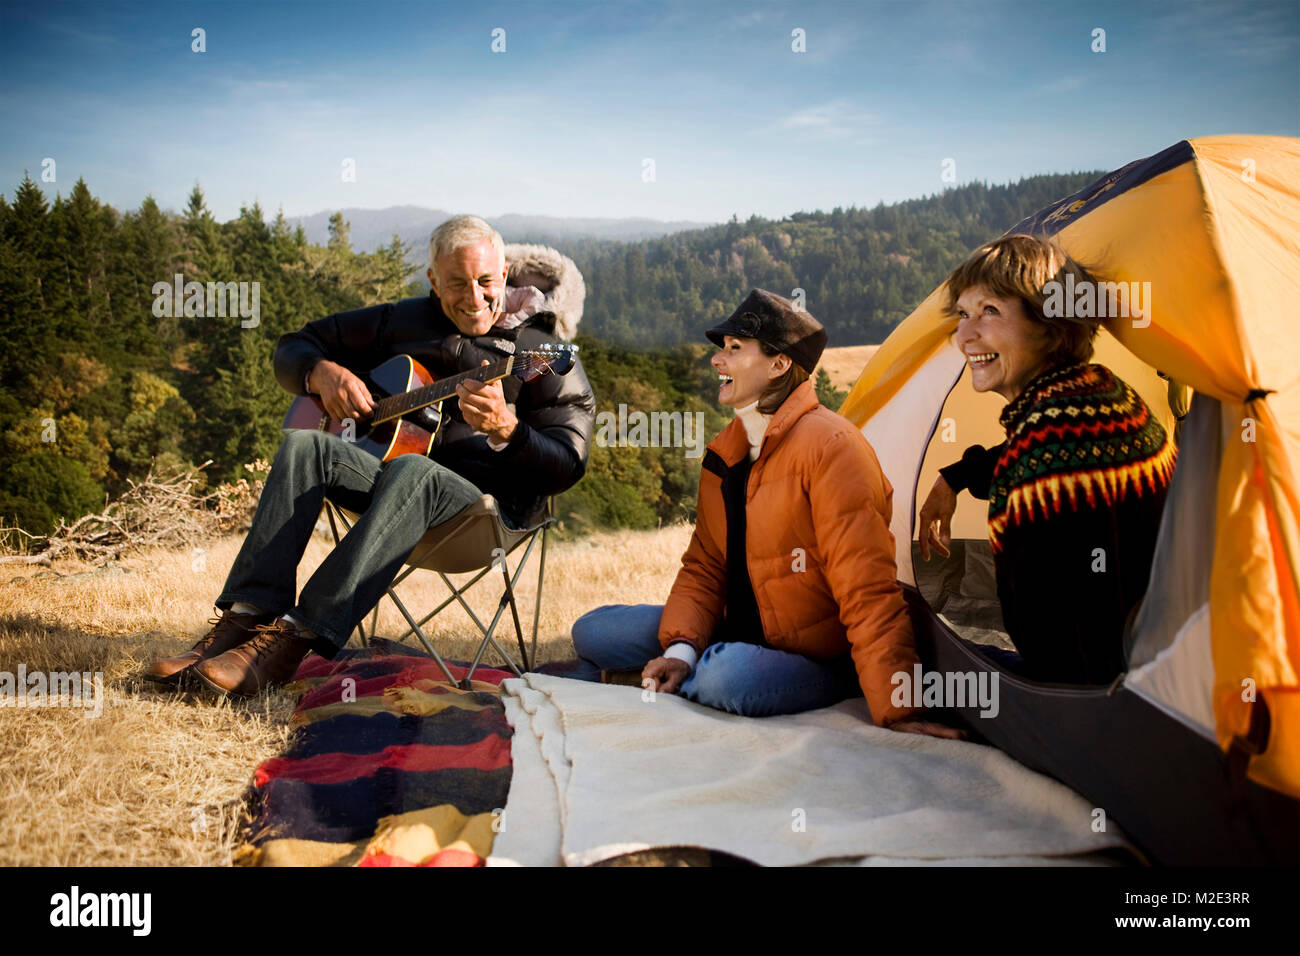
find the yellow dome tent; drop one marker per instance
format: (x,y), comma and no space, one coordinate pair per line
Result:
(1213,225)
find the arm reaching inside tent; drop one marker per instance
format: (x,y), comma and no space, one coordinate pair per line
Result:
(936,519)
(973,472)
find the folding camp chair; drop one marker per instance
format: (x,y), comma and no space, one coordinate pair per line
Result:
(476,539)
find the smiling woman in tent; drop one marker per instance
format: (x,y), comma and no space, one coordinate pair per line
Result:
(1076,491)
(787,599)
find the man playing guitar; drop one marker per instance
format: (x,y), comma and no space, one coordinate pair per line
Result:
(519,441)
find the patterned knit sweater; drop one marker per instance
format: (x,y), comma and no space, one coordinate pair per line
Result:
(1075,496)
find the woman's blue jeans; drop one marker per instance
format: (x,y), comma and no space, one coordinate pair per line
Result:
(740,678)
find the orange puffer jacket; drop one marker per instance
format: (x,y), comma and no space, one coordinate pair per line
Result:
(818,547)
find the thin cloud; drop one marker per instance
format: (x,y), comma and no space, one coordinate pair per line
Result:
(1064,84)
(74,30)
(1254,32)
(837,119)
(747,20)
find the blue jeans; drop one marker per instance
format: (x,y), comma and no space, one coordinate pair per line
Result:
(398,501)
(739,678)
(1007,660)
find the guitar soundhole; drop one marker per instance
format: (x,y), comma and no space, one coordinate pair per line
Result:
(427,417)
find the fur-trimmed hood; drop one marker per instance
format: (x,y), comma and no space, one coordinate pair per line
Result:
(556,276)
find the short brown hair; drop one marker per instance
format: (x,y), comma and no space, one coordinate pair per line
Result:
(779,389)
(1018,267)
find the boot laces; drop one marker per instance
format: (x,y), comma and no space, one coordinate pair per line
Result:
(265,637)
(206,641)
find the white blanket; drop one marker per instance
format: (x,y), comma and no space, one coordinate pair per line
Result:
(601,770)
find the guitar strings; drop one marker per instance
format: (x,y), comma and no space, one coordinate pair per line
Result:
(394,406)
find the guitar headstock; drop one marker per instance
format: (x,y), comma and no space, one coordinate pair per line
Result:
(547,359)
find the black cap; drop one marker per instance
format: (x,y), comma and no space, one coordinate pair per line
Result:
(777,322)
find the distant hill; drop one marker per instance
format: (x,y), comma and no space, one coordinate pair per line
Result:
(372,228)
(861,271)
(655,284)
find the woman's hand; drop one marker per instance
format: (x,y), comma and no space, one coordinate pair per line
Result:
(929,727)
(939,507)
(668,674)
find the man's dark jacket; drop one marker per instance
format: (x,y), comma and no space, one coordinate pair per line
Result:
(548,451)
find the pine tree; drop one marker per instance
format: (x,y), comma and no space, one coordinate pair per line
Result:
(247,399)
(149,253)
(205,253)
(32,308)
(387,273)
(282,240)
(828,394)
(340,230)
(243,404)
(82,228)
(207,259)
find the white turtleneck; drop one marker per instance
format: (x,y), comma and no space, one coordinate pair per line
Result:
(755,423)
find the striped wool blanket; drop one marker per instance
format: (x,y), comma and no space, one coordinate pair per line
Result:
(388,766)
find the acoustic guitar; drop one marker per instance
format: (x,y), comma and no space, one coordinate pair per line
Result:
(406,415)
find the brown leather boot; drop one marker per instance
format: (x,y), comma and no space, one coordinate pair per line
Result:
(268,658)
(228,630)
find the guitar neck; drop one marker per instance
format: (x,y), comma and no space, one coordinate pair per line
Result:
(395,406)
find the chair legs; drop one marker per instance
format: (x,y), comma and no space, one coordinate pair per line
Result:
(334,530)
(428,646)
(507,598)
(541,573)
(501,552)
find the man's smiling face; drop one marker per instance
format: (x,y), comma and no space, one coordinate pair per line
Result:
(471,285)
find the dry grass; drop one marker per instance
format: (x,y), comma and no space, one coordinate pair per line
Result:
(159,778)
(845,364)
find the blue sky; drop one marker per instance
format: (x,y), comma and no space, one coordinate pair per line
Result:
(562,122)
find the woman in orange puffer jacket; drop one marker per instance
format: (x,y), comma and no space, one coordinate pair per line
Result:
(787,599)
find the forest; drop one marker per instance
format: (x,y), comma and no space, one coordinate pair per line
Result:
(99,385)
(861,270)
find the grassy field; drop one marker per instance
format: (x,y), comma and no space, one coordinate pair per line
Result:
(158,778)
(845,364)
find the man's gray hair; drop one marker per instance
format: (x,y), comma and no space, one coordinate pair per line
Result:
(459,232)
